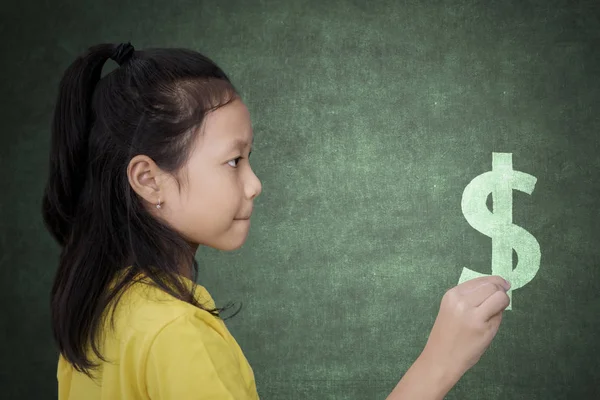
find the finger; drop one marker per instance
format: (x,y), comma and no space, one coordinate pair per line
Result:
(479,294)
(493,325)
(476,282)
(494,304)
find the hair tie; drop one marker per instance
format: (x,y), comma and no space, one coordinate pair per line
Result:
(122,53)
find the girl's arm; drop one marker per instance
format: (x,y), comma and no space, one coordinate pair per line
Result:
(426,379)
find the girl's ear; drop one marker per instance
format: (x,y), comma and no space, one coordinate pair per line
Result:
(146,178)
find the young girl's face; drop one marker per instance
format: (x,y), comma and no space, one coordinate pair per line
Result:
(220,189)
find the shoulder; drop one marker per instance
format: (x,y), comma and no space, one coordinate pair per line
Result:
(148,320)
(146,308)
(189,356)
(177,349)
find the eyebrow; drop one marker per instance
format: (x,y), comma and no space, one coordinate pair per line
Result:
(239,143)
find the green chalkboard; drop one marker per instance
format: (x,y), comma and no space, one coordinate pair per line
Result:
(402,146)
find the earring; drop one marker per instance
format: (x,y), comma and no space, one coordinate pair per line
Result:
(158,205)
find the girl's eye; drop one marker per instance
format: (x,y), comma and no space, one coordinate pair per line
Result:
(235,159)
(238,158)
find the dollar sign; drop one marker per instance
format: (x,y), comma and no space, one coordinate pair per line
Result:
(500,182)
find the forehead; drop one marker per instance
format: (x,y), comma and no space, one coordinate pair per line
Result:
(229,127)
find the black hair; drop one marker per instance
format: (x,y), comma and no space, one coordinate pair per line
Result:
(153,104)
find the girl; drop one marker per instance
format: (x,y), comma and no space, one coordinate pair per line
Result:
(146,164)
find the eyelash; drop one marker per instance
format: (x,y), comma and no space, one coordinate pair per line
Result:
(239,158)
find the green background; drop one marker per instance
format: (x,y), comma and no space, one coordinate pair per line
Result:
(370,118)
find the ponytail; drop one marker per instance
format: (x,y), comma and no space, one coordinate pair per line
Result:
(71,125)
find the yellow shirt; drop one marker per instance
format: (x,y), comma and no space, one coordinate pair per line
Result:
(163,348)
